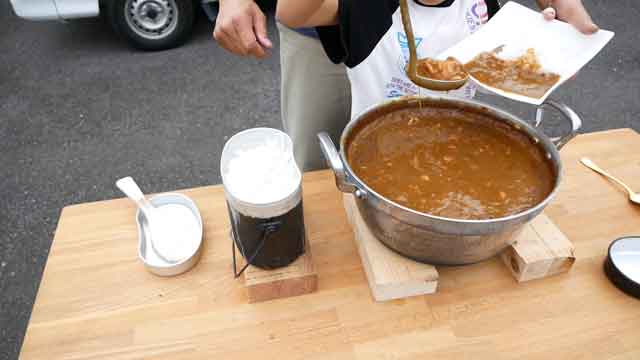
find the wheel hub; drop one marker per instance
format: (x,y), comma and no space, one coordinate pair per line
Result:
(151,18)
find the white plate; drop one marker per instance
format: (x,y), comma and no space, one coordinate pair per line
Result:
(559,46)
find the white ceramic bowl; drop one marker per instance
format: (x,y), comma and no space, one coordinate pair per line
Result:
(162,268)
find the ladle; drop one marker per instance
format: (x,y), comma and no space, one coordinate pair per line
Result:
(412,67)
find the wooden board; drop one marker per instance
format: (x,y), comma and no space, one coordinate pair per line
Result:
(96,301)
(390,275)
(298,278)
(541,250)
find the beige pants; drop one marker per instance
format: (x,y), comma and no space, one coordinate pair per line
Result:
(315,96)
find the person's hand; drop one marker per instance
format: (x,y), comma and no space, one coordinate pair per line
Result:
(570,11)
(241,28)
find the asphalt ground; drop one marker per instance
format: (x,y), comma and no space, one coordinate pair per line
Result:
(79,109)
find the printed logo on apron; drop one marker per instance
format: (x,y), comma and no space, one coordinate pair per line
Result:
(404,45)
(401,86)
(477,15)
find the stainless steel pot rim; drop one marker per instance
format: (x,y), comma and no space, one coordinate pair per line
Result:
(530,130)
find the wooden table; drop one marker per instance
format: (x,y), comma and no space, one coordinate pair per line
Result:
(96,301)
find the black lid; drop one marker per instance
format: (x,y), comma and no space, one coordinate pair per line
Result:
(622,265)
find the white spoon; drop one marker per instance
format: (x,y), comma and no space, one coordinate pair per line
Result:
(161,234)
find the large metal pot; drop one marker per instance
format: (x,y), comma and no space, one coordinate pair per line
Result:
(434,239)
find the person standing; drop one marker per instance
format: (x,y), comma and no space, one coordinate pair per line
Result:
(315,93)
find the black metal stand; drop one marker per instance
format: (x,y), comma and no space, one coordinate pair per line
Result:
(268,229)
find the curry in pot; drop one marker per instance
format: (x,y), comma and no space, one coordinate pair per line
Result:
(450,163)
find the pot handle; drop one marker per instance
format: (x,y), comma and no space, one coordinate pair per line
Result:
(335,163)
(568,113)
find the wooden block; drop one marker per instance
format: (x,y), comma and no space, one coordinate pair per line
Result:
(299,278)
(541,250)
(390,275)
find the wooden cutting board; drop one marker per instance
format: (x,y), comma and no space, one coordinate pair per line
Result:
(541,250)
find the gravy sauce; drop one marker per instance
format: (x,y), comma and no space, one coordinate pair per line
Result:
(522,75)
(450,163)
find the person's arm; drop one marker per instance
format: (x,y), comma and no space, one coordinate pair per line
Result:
(241,28)
(570,11)
(307,13)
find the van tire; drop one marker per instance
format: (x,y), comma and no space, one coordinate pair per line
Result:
(152,24)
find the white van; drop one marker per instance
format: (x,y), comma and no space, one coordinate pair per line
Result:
(146,24)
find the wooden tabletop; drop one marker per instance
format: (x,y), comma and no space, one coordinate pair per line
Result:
(96,301)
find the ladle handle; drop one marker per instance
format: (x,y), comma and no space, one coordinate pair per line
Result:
(335,163)
(408,30)
(157,224)
(129,187)
(568,113)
